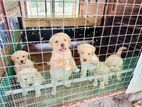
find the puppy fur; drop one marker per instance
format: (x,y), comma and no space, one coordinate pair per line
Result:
(61,62)
(115,62)
(101,70)
(30,77)
(88,58)
(21,61)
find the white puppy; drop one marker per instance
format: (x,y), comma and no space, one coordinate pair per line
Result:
(101,70)
(30,77)
(88,58)
(21,61)
(61,62)
(115,62)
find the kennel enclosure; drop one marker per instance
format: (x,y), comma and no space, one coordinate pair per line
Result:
(29,24)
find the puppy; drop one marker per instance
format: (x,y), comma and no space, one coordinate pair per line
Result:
(115,62)
(61,62)
(101,70)
(88,58)
(30,77)
(21,61)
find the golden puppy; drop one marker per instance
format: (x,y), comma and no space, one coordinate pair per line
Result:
(115,62)
(101,70)
(30,77)
(21,61)
(88,58)
(61,62)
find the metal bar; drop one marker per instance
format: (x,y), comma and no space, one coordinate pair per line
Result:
(17,91)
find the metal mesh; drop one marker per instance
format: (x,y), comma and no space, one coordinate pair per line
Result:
(29,24)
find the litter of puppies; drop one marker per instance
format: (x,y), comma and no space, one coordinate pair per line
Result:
(62,64)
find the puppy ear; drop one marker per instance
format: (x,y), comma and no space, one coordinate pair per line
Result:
(78,49)
(13,57)
(93,49)
(69,39)
(51,40)
(25,53)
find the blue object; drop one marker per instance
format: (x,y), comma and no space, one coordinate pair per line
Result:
(1,44)
(3,35)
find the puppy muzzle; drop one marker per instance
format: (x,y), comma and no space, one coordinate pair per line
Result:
(21,61)
(62,45)
(31,84)
(84,60)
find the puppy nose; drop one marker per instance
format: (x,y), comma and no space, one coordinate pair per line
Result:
(22,61)
(31,84)
(84,60)
(62,45)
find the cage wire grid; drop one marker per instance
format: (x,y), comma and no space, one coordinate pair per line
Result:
(107,37)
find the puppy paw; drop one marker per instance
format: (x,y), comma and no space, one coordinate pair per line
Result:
(95,84)
(68,85)
(83,76)
(53,92)
(119,79)
(102,86)
(37,93)
(24,94)
(76,70)
(106,84)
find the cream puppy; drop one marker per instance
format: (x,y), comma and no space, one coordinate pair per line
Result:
(30,77)
(21,61)
(101,70)
(88,58)
(61,62)
(115,62)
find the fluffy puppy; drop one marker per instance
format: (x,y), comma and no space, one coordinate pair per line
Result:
(30,77)
(21,61)
(115,62)
(61,62)
(88,58)
(101,70)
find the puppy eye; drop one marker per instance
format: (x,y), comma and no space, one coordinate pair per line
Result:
(17,57)
(56,41)
(89,54)
(25,78)
(23,56)
(65,40)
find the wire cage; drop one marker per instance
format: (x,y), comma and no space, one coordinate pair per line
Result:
(29,24)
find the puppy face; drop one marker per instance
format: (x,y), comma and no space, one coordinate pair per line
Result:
(86,51)
(60,42)
(20,57)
